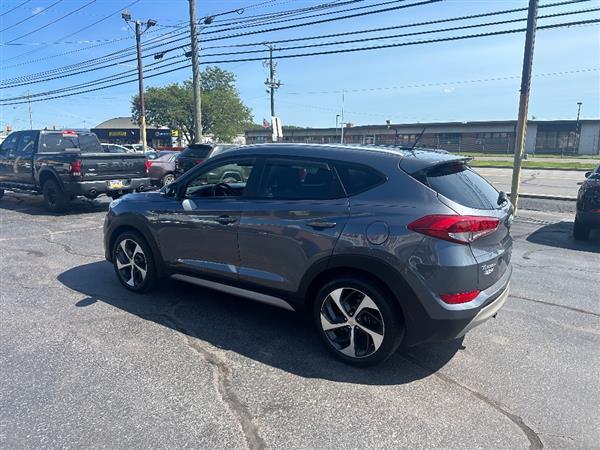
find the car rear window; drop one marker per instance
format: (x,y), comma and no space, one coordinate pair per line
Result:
(197,152)
(60,142)
(460,183)
(357,179)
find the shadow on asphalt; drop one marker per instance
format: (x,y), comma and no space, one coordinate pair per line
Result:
(560,235)
(262,333)
(34,205)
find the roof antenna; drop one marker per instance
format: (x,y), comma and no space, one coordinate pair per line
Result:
(418,138)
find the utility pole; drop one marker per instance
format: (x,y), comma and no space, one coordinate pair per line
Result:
(524,102)
(578,124)
(138,40)
(272,83)
(196,73)
(343,122)
(30,116)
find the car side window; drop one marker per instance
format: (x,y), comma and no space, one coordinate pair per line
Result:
(9,146)
(225,180)
(358,178)
(299,180)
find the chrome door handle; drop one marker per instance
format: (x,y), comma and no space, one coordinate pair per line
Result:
(226,220)
(321,225)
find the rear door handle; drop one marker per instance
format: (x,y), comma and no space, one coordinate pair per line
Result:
(321,225)
(226,220)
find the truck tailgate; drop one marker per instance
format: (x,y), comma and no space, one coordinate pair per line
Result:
(108,166)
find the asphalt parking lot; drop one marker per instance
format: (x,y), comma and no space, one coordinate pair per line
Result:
(85,363)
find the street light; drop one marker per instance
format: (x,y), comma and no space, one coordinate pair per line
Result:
(138,35)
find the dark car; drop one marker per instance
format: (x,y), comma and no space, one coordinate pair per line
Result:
(588,206)
(384,246)
(64,164)
(197,153)
(162,168)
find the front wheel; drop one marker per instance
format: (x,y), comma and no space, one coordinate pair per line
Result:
(358,321)
(55,198)
(580,231)
(133,262)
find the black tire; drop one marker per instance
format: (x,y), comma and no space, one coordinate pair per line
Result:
(115,195)
(580,231)
(136,282)
(1,193)
(387,321)
(167,179)
(55,198)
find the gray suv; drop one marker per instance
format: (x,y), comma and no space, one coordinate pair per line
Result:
(382,246)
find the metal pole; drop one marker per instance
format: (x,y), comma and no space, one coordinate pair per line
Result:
(138,35)
(578,125)
(524,102)
(30,117)
(272,80)
(343,122)
(196,74)
(337,116)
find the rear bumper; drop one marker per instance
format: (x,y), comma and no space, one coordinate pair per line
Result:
(101,187)
(589,219)
(429,321)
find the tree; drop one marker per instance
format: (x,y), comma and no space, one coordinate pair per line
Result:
(224,115)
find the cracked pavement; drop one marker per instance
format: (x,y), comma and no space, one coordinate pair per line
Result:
(84,363)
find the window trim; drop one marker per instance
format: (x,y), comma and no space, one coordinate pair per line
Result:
(266,159)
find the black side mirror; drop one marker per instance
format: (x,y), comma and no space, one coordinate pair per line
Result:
(588,174)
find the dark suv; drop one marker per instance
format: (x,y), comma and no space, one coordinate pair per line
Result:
(384,246)
(588,206)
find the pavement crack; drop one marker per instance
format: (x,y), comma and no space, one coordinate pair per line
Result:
(68,249)
(222,374)
(570,308)
(534,440)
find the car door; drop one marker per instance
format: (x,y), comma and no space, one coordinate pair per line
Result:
(7,157)
(295,219)
(200,235)
(22,165)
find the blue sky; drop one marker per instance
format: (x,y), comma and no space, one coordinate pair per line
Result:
(423,83)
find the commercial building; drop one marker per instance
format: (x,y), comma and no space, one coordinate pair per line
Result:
(559,137)
(123,130)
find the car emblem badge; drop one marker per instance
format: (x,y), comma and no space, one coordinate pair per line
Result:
(488,268)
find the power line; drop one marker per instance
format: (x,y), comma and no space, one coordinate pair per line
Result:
(280,49)
(328,52)
(31,17)
(53,22)
(16,7)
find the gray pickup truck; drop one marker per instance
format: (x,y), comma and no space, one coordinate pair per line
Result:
(62,165)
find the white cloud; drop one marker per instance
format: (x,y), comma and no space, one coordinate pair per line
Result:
(449,90)
(124,28)
(36,11)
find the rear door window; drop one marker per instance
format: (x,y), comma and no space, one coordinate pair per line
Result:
(26,143)
(461,184)
(357,179)
(299,180)
(9,146)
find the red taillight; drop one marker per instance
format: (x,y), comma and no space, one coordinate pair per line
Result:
(461,297)
(460,229)
(75,168)
(596,210)
(148,164)
(198,161)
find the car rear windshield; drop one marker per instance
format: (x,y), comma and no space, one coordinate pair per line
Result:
(201,151)
(460,183)
(60,142)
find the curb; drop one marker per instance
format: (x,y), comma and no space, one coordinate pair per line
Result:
(530,168)
(547,197)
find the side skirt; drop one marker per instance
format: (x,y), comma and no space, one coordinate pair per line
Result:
(256,296)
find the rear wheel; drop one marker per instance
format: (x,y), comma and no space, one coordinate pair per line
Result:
(358,321)
(580,231)
(55,198)
(167,179)
(133,262)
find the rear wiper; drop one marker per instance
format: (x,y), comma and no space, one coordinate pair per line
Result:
(502,198)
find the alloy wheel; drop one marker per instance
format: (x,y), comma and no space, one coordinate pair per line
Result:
(131,262)
(352,322)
